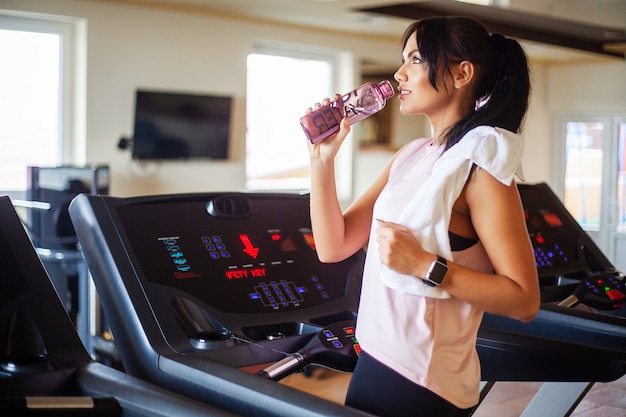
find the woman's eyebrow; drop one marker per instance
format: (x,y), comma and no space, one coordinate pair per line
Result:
(408,54)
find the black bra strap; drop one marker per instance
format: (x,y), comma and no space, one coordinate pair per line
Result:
(458,243)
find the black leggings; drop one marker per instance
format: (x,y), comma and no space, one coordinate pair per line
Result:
(378,390)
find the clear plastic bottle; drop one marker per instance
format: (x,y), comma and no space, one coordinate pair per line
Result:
(355,105)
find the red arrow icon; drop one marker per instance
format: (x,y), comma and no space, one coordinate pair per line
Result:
(248,247)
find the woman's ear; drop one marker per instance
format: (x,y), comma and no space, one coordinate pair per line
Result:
(464,74)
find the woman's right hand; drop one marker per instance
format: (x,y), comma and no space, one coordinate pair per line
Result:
(326,150)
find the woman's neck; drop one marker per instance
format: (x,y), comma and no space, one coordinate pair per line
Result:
(441,125)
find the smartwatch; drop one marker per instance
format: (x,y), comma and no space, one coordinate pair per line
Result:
(437,272)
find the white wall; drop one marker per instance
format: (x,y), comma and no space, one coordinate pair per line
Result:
(537,130)
(589,88)
(130,47)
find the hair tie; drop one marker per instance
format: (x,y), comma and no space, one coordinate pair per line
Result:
(497,57)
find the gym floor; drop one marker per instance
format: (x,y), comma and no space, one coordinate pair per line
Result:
(506,399)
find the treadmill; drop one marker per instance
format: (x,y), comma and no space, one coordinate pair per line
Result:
(44,367)
(579,335)
(203,290)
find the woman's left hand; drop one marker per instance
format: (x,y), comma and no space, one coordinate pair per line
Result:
(399,249)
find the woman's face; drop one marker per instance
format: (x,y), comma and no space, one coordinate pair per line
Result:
(417,95)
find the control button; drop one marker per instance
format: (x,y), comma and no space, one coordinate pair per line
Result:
(328,333)
(337,344)
(348,330)
(275,294)
(615,294)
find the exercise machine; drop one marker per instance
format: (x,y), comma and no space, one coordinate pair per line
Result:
(44,367)
(203,291)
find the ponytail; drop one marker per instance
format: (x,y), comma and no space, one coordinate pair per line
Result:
(507,102)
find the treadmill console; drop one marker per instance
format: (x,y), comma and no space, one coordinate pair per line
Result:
(566,255)
(232,253)
(561,246)
(210,270)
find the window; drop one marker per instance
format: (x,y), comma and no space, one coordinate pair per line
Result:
(583,172)
(280,86)
(592,177)
(34,96)
(621,177)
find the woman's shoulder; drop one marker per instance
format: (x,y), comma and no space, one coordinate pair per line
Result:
(408,151)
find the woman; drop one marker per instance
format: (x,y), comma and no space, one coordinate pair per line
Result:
(444,224)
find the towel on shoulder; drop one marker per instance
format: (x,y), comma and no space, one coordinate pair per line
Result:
(498,151)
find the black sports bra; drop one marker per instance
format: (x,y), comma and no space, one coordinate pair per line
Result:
(458,243)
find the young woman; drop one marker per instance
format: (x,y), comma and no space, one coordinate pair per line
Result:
(444,224)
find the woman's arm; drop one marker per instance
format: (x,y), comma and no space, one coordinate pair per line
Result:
(338,235)
(497,216)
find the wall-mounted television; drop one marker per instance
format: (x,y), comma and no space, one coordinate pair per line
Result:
(172,125)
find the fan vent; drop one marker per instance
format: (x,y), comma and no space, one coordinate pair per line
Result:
(230,207)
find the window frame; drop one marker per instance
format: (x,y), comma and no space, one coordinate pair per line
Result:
(343,79)
(608,238)
(72,79)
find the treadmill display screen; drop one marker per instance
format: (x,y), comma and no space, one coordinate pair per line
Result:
(14,283)
(554,233)
(263,260)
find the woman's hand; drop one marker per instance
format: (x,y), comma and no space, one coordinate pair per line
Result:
(400,251)
(326,150)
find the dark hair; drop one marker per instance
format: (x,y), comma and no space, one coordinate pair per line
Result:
(501,88)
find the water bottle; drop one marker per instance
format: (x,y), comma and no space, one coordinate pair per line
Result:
(355,105)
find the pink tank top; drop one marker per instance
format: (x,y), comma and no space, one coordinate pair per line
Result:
(427,340)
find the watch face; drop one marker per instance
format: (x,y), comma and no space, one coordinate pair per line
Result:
(437,273)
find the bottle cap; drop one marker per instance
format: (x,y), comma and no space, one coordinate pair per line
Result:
(387,89)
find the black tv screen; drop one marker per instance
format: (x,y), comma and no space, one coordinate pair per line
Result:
(181,126)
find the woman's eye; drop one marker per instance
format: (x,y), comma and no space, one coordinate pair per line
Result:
(417,60)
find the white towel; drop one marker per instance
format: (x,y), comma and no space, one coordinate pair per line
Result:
(498,151)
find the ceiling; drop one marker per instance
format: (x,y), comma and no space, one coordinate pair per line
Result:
(604,18)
